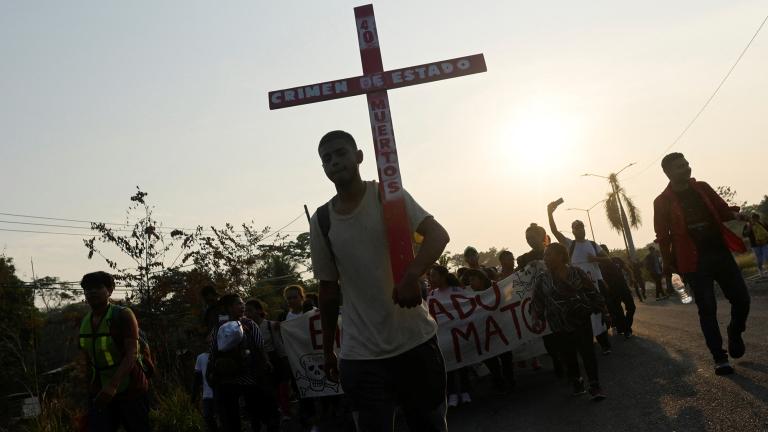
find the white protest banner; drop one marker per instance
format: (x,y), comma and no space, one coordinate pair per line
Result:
(303,341)
(474,326)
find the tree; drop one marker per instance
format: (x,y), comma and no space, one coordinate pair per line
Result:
(488,258)
(146,245)
(615,203)
(729,196)
(229,256)
(242,261)
(54,294)
(17,317)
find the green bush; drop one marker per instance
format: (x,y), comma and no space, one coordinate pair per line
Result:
(174,411)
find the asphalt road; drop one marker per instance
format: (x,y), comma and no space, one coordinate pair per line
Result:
(660,380)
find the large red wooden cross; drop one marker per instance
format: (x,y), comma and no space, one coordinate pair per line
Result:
(374,83)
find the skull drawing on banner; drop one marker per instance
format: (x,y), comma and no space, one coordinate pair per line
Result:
(313,376)
(314,368)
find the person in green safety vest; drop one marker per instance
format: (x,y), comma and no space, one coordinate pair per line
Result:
(109,342)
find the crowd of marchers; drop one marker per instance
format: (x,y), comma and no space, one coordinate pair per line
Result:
(389,359)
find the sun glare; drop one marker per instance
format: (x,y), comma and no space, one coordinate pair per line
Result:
(539,136)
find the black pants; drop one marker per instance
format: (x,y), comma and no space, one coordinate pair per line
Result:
(639,285)
(660,288)
(721,267)
(623,318)
(209,415)
(414,380)
(550,344)
(132,414)
(615,295)
(259,406)
(578,343)
(502,368)
(458,381)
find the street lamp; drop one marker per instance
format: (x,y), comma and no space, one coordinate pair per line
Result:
(588,217)
(624,224)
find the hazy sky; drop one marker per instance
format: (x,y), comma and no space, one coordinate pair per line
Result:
(98,97)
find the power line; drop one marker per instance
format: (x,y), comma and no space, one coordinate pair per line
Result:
(89,222)
(56,226)
(45,232)
(706,104)
(283,227)
(272,233)
(83,221)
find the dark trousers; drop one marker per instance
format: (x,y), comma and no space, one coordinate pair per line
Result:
(639,283)
(502,368)
(132,414)
(660,288)
(721,267)
(603,341)
(259,406)
(414,380)
(578,343)
(623,318)
(550,344)
(458,381)
(209,415)
(615,295)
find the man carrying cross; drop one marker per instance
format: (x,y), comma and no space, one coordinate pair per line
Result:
(389,352)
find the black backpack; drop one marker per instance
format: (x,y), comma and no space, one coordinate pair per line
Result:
(226,365)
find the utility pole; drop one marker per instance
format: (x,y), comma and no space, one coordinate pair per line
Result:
(588,217)
(34,331)
(612,180)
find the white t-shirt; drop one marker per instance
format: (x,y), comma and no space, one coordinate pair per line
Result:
(201,365)
(291,315)
(582,251)
(374,327)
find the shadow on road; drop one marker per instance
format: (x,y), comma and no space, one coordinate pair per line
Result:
(647,386)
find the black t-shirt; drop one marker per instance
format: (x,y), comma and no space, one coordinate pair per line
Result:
(612,274)
(702,227)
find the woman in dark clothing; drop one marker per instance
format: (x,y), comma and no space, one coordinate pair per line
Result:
(566,297)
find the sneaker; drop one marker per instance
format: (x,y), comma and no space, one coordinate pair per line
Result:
(627,334)
(578,387)
(596,393)
(453,400)
(606,351)
(736,346)
(466,398)
(724,368)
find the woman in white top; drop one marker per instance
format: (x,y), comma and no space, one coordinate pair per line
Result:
(444,284)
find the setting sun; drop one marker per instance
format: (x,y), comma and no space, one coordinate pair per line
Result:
(540,132)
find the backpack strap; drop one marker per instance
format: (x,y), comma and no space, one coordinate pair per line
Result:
(324,221)
(573,246)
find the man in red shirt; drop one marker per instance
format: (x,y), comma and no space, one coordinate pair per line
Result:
(688,220)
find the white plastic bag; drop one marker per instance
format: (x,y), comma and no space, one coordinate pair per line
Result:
(229,336)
